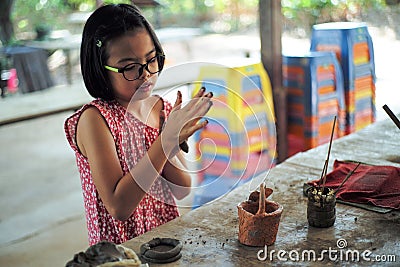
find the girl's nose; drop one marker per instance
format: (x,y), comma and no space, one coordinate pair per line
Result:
(144,74)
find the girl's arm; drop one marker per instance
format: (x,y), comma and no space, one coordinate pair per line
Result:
(176,174)
(175,169)
(120,193)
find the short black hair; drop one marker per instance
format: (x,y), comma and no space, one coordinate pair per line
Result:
(106,23)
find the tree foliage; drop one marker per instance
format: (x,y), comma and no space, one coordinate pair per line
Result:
(213,15)
(309,12)
(28,14)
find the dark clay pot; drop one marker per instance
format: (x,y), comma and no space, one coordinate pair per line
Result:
(321,208)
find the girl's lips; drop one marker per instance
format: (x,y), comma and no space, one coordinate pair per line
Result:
(148,85)
(145,87)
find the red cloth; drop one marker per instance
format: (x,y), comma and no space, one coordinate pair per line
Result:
(376,185)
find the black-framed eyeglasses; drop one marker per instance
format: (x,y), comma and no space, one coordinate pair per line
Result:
(133,71)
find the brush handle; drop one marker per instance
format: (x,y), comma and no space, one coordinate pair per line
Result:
(184,146)
(391,115)
(347,177)
(261,201)
(327,158)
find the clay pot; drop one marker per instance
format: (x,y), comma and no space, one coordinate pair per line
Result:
(321,207)
(259,220)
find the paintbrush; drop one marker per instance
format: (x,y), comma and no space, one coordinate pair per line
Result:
(325,169)
(392,116)
(347,177)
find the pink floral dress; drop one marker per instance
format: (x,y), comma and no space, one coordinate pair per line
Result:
(132,138)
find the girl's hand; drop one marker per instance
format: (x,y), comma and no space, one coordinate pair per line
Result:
(183,146)
(183,122)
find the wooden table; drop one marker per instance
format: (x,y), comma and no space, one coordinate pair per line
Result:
(31,65)
(209,234)
(67,44)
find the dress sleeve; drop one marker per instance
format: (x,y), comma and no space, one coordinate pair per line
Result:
(70,130)
(71,123)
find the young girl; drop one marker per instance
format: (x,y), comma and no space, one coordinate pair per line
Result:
(129,169)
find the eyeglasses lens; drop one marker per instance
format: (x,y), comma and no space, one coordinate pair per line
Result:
(135,70)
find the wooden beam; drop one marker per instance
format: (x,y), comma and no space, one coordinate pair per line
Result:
(271,56)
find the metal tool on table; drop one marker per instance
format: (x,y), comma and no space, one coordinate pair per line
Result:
(392,116)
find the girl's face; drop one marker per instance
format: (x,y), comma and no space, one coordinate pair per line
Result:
(133,47)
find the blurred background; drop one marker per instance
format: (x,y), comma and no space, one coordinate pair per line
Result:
(24,22)
(24,17)
(42,217)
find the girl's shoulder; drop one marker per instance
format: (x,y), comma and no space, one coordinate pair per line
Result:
(97,103)
(102,105)
(106,108)
(98,107)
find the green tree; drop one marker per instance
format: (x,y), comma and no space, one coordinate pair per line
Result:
(29,14)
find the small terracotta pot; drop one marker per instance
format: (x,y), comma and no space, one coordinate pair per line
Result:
(321,207)
(259,220)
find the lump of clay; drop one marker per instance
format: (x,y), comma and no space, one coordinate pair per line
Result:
(161,250)
(105,254)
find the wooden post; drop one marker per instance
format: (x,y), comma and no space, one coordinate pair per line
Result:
(271,56)
(6,28)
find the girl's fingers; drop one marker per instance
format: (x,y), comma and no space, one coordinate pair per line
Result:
(198,126)
(203,107)
(192,127)
(178,101)
(195,111)
(199,113)
(209,94)
(193,121)
(200,92)
(196,98)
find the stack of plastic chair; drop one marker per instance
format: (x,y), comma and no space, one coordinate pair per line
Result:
(239,141)
(314,85)
(353,47)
